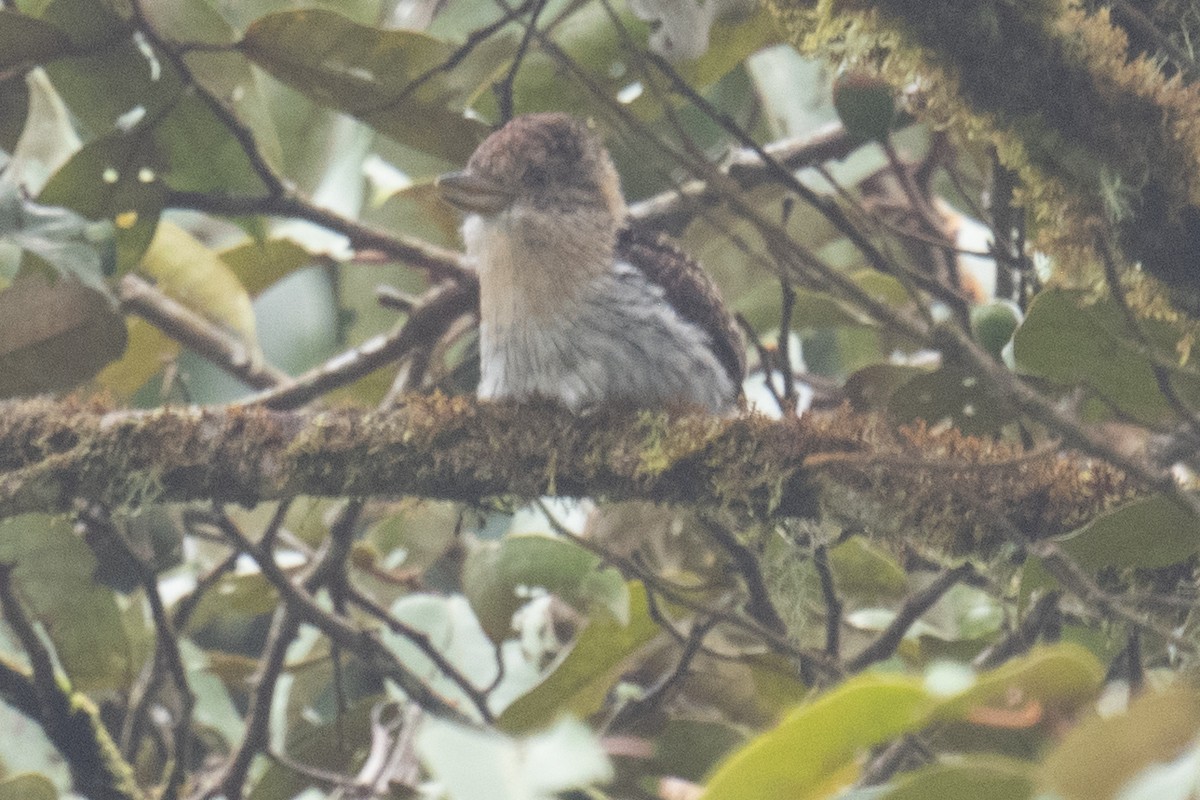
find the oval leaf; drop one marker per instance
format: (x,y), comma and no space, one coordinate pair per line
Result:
(1070,341)
(115,177)
(197,277)
(54,336)
(495,570)
(1147,533)
(976,778)
(83,623)
(25,40)
(817,743)
(579,683)
(393,80)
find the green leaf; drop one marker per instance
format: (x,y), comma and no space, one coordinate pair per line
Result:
(872,387)
(1071,341)
(1101,755)
(25,40)
(61,239)
(977,778)
(1064,676)
(118,178)
(393,80)
(329,746)
(494,571)
(470,763)
(54,336)
(191,273)
(14,106)
(688,748)
(193,149)
(865,104)
(102,85)
(866,573)
(48,138)
(54,579)
(202,153)
(579,683)
(235,595)
(214,706)
(950,393)
(199,154)
(814,310)
(90,24)
(813,750)
(257,265)
(450,624)
(147,351)
(1147,533)
(29,786)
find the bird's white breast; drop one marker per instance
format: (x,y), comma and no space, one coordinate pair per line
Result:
(575,326)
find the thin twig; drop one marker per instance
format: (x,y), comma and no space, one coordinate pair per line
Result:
(811,662)
(1041,616)
(504,87)
(787,307)
(189,328)
(766,360)
(440,263)
(241,132)
(833,603)
(71,721)
(1016,391)
(759,604)
(885,644)
(363,643)
(436,310)
(655,697)
(1076,580)
(187,605)
(422,642)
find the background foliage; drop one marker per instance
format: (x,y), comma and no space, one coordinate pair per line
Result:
(960,237)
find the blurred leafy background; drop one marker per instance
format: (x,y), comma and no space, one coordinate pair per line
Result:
(206,199)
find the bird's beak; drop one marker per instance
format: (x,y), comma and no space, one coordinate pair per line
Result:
(472,192)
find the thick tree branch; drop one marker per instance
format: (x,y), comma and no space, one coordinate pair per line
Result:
(437,447)
(55,452)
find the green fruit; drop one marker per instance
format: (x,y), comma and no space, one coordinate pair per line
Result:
(994,324)
(865,104)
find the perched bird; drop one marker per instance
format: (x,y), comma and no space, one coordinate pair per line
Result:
(576,304)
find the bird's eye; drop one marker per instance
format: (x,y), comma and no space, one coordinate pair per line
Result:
(535,176)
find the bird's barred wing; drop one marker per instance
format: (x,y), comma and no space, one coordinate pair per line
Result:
(689,290)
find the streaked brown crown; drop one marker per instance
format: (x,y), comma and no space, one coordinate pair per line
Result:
(550,159)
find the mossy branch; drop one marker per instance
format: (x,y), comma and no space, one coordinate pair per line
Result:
(431,446)
(54,452)
(1097,132)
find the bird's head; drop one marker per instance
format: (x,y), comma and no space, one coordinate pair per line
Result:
(548,163)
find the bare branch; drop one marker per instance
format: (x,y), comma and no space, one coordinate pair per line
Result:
(434,312)
(889,639)
(187,327)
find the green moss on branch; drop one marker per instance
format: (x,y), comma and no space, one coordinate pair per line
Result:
(1098,135)
(437,447)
